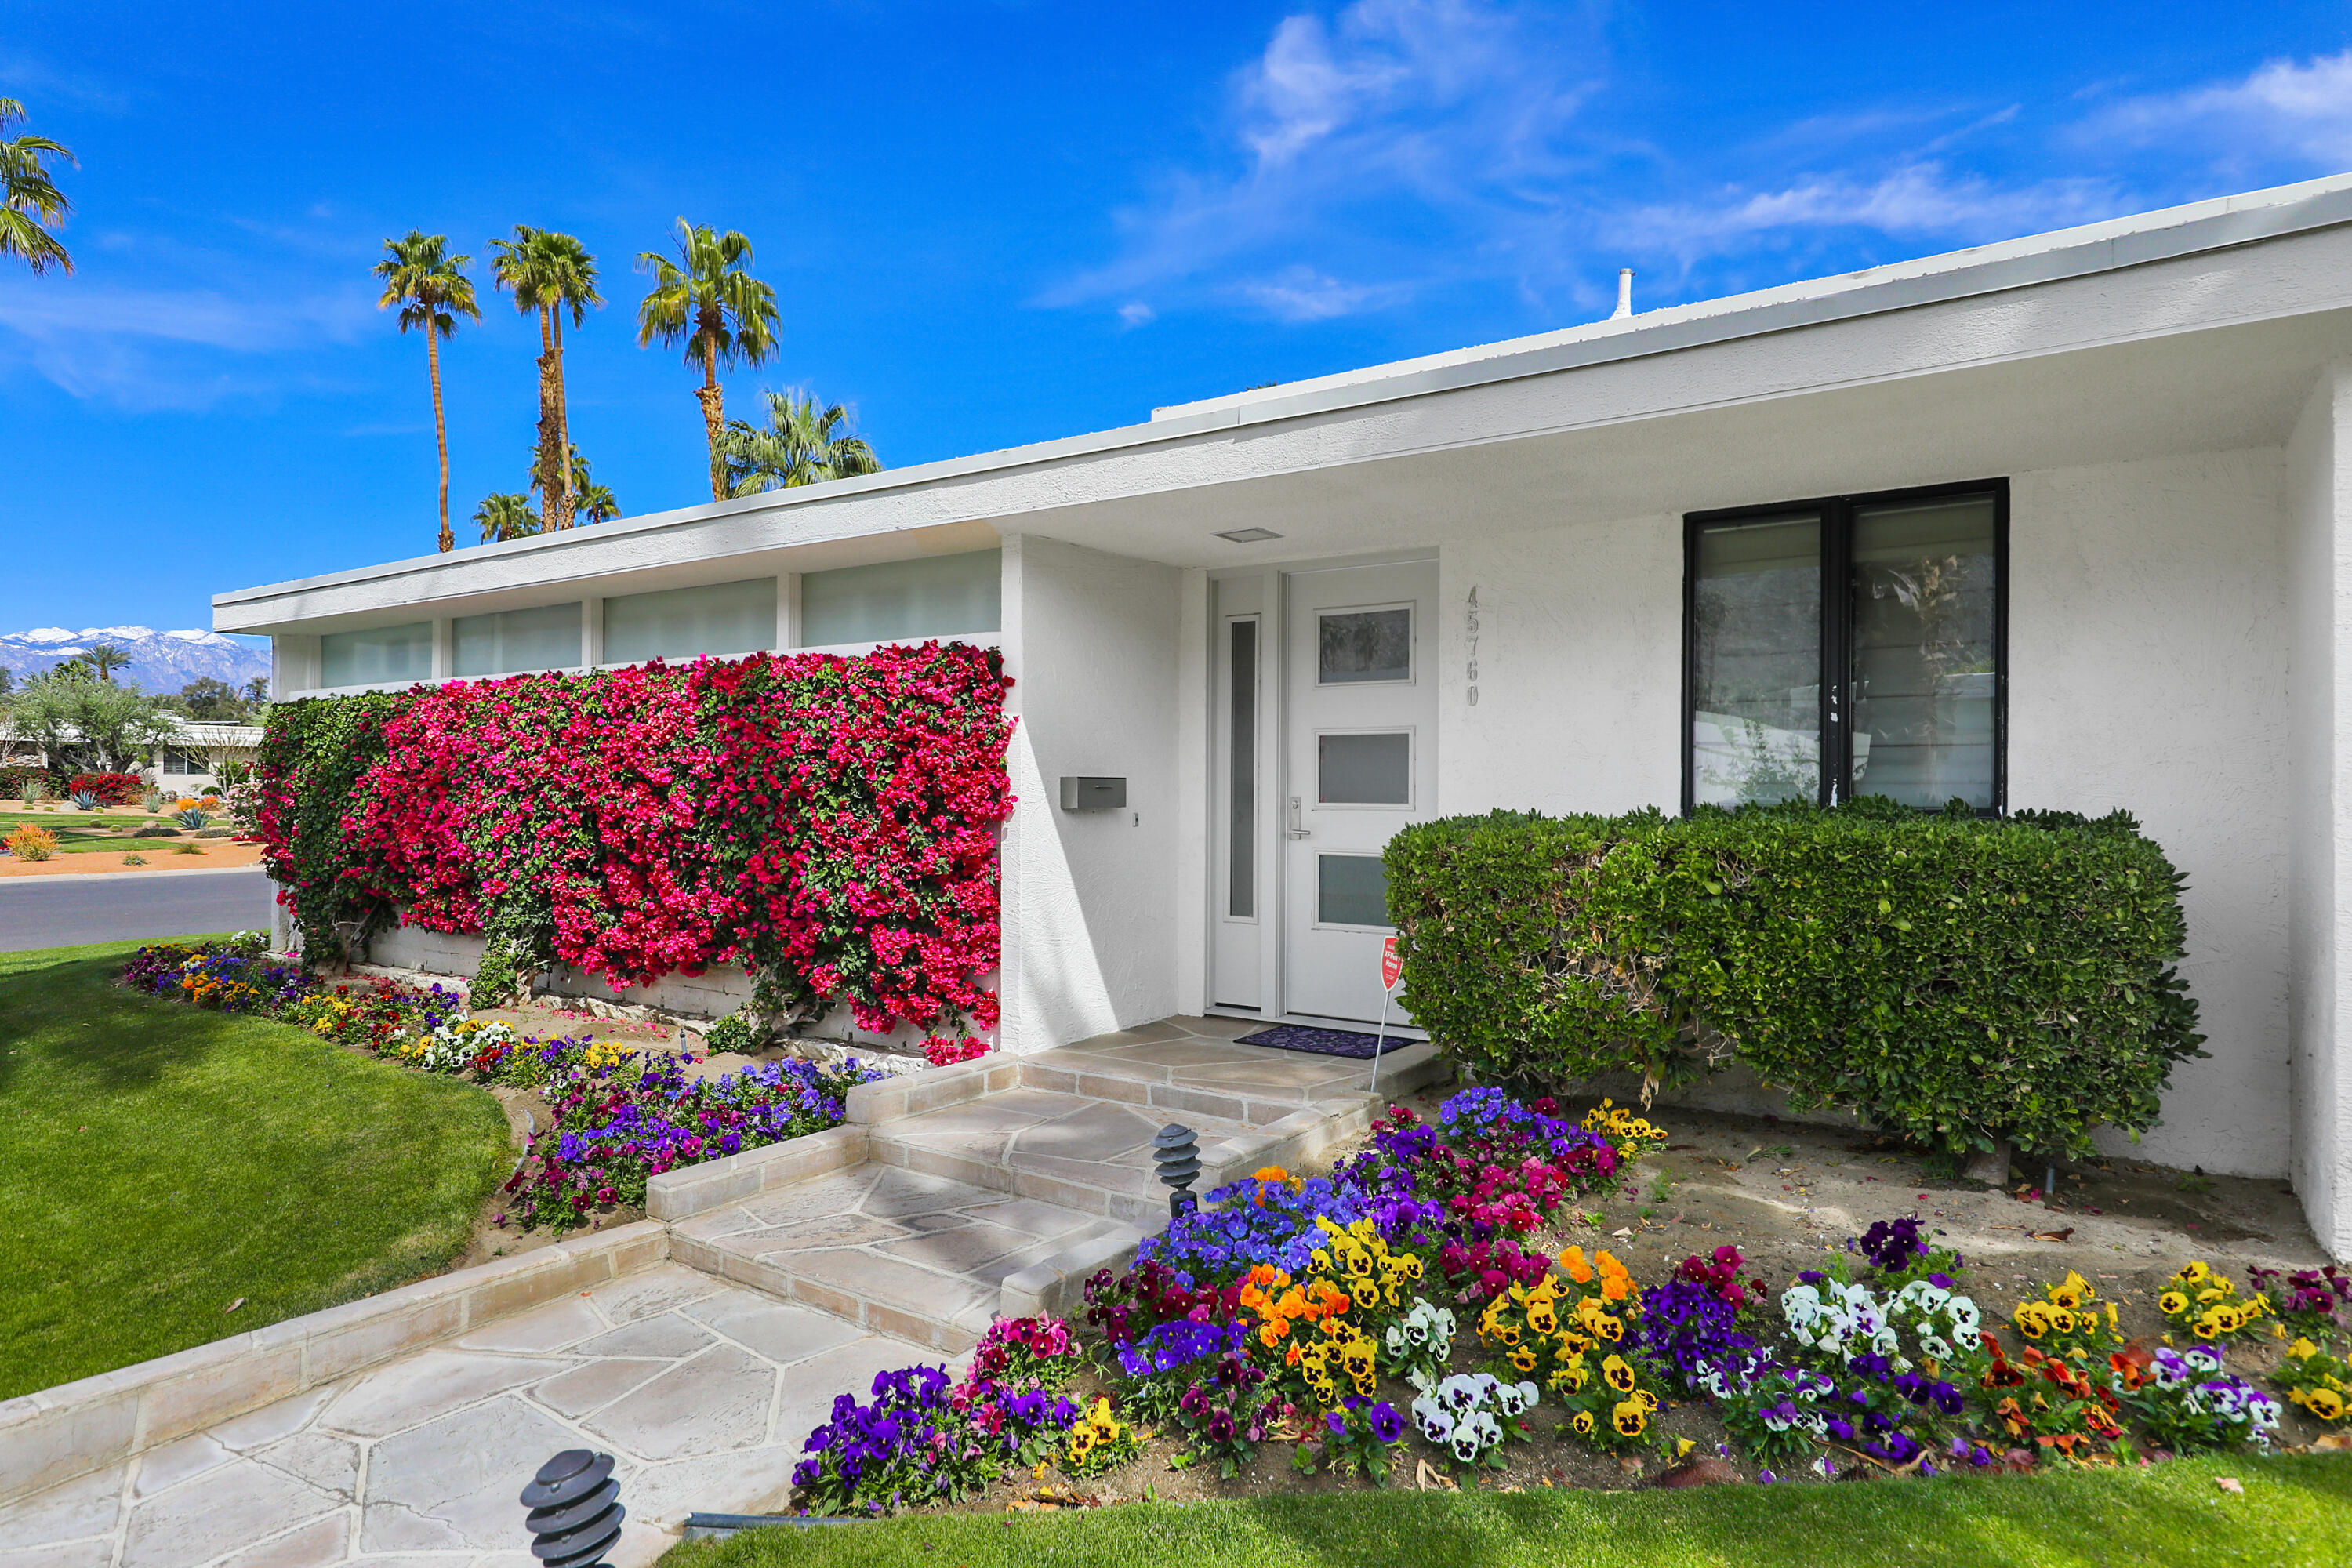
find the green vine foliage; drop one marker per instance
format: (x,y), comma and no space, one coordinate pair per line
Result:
(315,750)
(1952,980)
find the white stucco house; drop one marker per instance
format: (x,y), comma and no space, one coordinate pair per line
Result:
(2064,521)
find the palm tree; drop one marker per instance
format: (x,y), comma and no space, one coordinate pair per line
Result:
(105,658)
(718,310)
(549,273)
(30,202)
(505,514)
(803,445)
(572,280)
(594,501)
(256,691)
(432,289)
(521,266)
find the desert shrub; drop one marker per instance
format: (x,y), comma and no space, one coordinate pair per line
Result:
(15,778)
(156,830)
(1951,979)
(31,841)
(737,1032)
(111,789)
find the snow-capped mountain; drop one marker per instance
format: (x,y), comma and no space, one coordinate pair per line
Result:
(161,662)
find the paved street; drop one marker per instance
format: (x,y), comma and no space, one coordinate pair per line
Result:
(36,913)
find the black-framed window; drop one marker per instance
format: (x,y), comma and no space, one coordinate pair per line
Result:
(1852,644)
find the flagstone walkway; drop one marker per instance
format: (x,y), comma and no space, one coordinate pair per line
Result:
(704,1379)
(704,1391)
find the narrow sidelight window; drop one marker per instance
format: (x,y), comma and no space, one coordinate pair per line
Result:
(1240,787)
(1846,647)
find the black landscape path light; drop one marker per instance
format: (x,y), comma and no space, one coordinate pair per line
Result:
(1178,1156)
(575,1509)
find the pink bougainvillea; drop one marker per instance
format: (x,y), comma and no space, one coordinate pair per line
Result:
(828,824)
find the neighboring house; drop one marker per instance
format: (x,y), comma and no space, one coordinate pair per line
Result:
(200,752)
(190,761)
(2064,521)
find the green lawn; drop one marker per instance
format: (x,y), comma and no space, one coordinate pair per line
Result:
(75,835)
(158,1162)
(2295,1511)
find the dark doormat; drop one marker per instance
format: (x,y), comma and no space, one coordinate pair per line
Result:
(1322,1042)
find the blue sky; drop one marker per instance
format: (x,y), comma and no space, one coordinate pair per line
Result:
(987,224)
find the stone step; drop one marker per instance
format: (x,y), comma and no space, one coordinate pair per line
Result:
(1191,1067)
(1093,1155)
(901,1252)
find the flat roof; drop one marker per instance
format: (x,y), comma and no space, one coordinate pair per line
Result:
(2086,249)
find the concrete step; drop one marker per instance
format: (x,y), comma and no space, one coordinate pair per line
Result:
(1092,1155)
(994,1188)
(1181,1066)
(900,1252)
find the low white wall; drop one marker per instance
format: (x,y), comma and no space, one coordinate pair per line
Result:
(712,994)
(1091,643)
(2148,664)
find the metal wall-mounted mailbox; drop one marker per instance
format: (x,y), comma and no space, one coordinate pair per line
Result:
(1082,794)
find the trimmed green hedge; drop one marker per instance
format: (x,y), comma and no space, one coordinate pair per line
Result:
(1951,979)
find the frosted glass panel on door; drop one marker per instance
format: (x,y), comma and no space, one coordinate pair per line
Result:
(902,601)
(1755,692)
(1364,770)
(687,623)
(1241,780)
(1354,645)
(545,638)
(1923,587)
(1351,890)
(379,655)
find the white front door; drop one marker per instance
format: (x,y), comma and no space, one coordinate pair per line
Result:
(1360,726)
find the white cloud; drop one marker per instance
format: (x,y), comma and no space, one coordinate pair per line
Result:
(1918,201)
(2281,108)
(1302,294)
(1136,313)
(162,348)
(1401,149)
(1360,136)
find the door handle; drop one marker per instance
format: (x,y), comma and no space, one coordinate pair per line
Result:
(1296,831)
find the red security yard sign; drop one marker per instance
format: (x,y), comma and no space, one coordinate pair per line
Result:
(1392,966)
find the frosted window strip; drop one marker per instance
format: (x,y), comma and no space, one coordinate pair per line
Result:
(509,641)
(899,601)
(687,623)
(378,655)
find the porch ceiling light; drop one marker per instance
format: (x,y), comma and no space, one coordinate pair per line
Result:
(1247,535)
(1177,1154)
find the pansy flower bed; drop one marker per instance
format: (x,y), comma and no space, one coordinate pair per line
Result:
(620,1115)
(1413,1310)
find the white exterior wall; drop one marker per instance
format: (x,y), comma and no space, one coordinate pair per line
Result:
(2148,669)
(2318,483)
(2148,658)
(1579,670)
(1090,921)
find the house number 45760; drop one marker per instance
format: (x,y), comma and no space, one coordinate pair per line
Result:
(1470,633)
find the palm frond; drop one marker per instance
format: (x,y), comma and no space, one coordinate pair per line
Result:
(506,514)
(803,443)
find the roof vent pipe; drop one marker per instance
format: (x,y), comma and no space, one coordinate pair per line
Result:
(1624,293)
